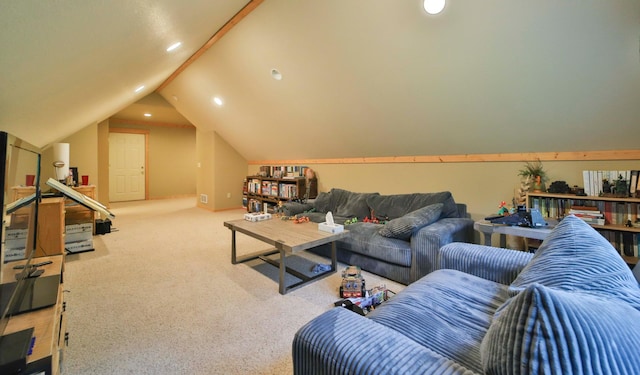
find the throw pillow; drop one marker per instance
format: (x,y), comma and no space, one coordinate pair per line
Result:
(403,227)
(548,331)
(576,257)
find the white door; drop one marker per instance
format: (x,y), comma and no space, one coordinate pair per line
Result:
(126,167)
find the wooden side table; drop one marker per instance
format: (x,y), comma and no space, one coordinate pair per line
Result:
(488,229)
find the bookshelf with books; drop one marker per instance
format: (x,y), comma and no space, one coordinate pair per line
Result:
(616,218)
(261,190)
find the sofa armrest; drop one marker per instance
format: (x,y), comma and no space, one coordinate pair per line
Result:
(426,243)
(294,208)
(490,263)
(342,342)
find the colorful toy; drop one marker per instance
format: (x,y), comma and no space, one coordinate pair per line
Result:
(502,208)
(301,219)
(351,221)
(352,283)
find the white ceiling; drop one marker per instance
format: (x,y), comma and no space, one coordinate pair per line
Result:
(68,64)
(361,78)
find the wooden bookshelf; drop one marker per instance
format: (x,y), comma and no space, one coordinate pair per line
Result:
(258,191)
(618,212)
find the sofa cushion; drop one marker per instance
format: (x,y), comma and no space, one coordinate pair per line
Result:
(389,207)
(322,203)
(550,331)
(403,227)
(344,203)
(447,311)
(364,239)
(575,257)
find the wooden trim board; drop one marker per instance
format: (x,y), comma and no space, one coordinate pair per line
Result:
(467,158)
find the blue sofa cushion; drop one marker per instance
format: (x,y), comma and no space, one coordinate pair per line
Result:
(403,227)
(389,207)
(447,311)
(575,257)
(549,331)
(344,203)
(364,238)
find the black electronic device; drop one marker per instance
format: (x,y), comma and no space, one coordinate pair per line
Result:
(15,347)
(531,218)
(19,166)
(559,187)
(103,226)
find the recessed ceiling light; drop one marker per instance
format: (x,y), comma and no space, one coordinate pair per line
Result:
(147,115)
(434,6)
(217,101)
(276,74)
(174,46)
(140,88)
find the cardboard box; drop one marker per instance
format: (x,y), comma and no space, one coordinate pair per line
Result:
(78,236)
(16,234)
(79,228)
(14,254)
(80,246)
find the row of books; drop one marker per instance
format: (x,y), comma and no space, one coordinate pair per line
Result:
(593,181)
(254,186)
(283,171)
(252,205)
(271,188)
(625,242)
(593,211)
(589,214)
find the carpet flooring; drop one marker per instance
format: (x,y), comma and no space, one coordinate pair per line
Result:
(159,295)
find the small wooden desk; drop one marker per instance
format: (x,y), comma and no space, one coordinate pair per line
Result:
(287,237)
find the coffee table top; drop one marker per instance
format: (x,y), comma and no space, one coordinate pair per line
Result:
(284,234)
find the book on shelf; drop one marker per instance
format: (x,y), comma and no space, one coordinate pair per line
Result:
(593,181)
(283,171)
(624,243)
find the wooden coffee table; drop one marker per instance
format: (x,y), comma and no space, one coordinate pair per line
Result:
(286,237)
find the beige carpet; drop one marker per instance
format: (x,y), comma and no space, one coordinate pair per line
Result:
(160,296)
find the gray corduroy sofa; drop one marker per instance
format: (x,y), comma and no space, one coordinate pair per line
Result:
(406,247)
(572,308)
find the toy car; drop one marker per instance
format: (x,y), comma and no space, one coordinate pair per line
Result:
(352,283)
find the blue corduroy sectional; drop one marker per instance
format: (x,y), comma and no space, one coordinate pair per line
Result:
(572,308)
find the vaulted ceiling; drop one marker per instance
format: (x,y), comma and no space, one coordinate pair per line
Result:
(360,78)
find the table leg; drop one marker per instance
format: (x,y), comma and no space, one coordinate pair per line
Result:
(283,271)
(334,257)
(233,247)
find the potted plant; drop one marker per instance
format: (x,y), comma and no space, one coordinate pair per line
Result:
(535,174)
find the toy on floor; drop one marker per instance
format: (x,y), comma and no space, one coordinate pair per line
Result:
(352,283)
(363,305)
(321,268)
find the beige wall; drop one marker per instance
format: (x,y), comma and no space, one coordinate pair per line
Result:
(220,173)
(171,156)
(103,162)
(482,185)
(82,154)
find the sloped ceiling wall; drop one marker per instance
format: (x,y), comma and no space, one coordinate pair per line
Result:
(361,78)
(68,64)
(382,78)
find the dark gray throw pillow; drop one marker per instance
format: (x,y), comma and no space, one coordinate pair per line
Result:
(403,227)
